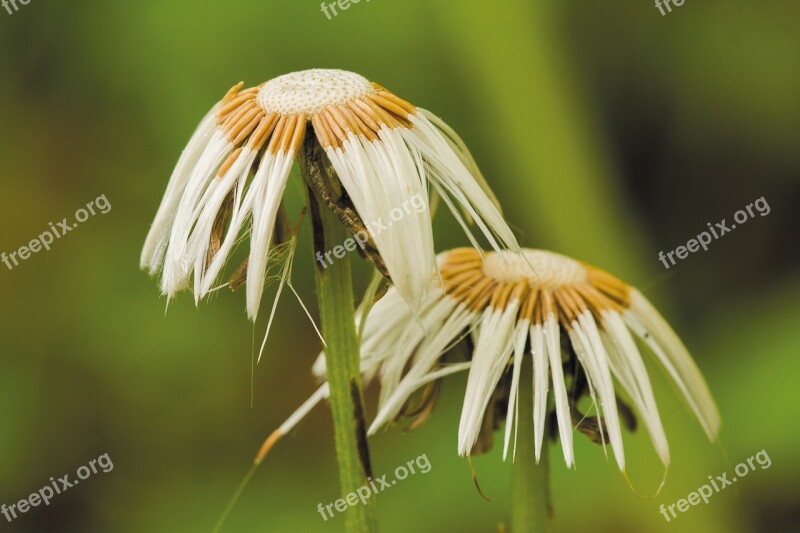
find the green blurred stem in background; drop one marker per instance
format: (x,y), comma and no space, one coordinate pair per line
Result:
(337,314)
(524,83)
(530,482)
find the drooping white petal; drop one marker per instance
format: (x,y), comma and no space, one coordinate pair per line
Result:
(178,265)
(406,388)
(520,337)
(628,367)
(492,351)
(393,332)
(594,359)
(210,207)
(447,168)
(451,332)
(648,324)
(552,334)
(443,196)
(425,357)
(460,147)
(268,186)
(386,324)
(540,388)
(240,213)
(284,280)
(394,173)
(387,187)
(320,394)
(431,322)
(579,346)
(155,244)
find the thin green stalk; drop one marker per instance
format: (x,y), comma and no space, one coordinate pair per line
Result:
(530,483)
(337,314)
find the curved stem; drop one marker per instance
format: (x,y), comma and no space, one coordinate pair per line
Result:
(530,482)
(337,314)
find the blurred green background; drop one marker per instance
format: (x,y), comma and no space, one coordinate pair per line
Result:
(608,131)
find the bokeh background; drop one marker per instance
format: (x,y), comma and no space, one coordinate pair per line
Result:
(608,131)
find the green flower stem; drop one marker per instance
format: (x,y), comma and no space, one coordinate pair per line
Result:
(530,483)
(337,314)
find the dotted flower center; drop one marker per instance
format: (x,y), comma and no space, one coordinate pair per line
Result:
(541,268)
(310,91)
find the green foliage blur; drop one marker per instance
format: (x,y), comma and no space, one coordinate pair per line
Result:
(608,131)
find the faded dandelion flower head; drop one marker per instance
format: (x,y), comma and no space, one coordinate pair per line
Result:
(230,180)
(575,323)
